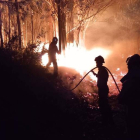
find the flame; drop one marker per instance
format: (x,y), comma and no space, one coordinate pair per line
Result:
(82,60)
(78,58)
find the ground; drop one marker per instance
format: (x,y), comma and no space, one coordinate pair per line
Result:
(35,105)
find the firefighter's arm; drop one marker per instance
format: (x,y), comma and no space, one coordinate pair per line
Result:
(44,51)
(94,73)
(58,51)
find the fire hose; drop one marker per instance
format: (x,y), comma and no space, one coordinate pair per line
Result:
(92,70)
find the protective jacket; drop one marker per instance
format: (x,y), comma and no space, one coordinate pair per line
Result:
(130,87)
(102,77)
(52,50)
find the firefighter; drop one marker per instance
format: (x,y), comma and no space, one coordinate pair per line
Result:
(103,90)
(130,96)
(52,55)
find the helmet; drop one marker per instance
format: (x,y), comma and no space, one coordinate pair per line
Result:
(134,60)
(99,59)
(127,60)
(54,39)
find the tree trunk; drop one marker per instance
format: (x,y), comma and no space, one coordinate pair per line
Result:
(9,18)
(1,37)
(6,26)
(26,33)
(59,24)
(63,31)
(63,26)
(32,27)
(70,24)
(18,23)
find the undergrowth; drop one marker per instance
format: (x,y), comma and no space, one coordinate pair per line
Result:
(35,105)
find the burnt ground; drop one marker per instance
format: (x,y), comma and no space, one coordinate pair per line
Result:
(34,105)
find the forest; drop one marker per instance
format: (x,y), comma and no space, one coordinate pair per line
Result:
(34,104)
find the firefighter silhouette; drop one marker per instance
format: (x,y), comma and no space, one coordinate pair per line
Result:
(103,90)
(52,55)
(130,96)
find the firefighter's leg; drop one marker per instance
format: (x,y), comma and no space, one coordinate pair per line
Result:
(105,107)
(55,67)
(105,111)
(48,64)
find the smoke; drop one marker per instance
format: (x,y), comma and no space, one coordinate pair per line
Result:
(111,32)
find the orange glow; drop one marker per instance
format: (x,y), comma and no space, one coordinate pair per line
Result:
(78,58)
(82,60)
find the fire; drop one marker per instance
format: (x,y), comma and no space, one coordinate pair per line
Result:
(82,60)
(78,58)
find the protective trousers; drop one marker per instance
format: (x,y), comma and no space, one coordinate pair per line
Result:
(104,106)
(53,60)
